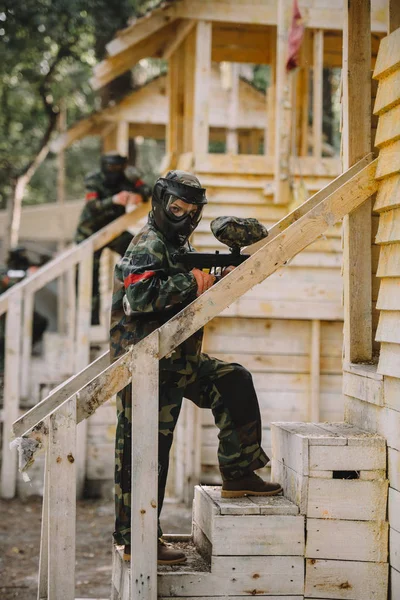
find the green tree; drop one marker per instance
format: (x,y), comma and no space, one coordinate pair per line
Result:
(48,50)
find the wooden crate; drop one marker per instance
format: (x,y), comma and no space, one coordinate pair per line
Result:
(347,580)
(331,470)
(268,526)
(348,540)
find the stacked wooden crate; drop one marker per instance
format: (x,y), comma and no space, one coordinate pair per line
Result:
(240,547)
(336,474)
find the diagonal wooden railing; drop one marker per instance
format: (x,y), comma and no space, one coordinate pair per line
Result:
(17,303)
(51,425)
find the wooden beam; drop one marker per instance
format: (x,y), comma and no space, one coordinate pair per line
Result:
(182,31)
(318,76)
(189,88)
(393,15)
(140,30)
(202,87)
(356,144)
(233,108)
(283,109)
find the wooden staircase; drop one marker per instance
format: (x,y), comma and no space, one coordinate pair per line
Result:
(327,537)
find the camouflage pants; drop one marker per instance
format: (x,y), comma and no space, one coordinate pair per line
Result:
(227,389)
(119,245)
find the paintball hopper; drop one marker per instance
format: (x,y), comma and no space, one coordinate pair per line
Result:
(237,233)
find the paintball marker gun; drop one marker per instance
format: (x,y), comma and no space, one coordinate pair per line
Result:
(235,233)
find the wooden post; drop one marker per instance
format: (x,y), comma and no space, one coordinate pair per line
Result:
(303,98)
(61,283)
(318,76)
(176,90)
(82,350)
(27,343)
(43,577)
(190,61)
(356,144)
(12,380)
(283,107)
(116,139)
(144,469)
(233,107)
(70,317)
(202,88)
(269,136)
(394,15)
(62,502)
(315,374)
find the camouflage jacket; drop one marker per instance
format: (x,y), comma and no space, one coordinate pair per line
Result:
(155,287)
(99,209)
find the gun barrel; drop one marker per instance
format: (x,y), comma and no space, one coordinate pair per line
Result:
(200,260)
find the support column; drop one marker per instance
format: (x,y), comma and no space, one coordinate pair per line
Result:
(232,146)
(269,135)
(318,76)
(394,15)
(117,139)
(283,106)
(202,88)
(356,144)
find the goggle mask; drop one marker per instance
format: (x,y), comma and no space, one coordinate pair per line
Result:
(179,209)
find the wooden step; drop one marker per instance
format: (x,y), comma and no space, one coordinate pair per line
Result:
(273,577)
(331,470)
(265,526)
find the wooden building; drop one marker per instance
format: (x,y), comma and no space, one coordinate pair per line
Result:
(328,537)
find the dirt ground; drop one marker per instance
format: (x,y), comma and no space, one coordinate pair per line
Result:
(20,542)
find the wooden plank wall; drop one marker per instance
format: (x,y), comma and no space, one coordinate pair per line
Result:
(373,398)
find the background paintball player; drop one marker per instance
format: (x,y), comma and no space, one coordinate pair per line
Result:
(17,268)
(108,193)
(149,288)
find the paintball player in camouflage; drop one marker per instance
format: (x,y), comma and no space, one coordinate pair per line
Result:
(149,288)
(108,193)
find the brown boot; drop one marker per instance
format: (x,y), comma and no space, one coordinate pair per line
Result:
(250,485)
(165,554)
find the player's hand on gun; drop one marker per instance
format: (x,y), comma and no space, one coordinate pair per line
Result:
(125,198)
(206,280)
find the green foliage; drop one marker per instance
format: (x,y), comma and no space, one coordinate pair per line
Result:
(48,51)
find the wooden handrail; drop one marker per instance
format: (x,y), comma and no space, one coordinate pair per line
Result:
(70,257)
(313,219)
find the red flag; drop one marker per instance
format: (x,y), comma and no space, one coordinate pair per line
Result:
(295,38)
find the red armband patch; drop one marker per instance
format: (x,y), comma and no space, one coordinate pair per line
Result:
(139,183)
(134,278)
(91,196)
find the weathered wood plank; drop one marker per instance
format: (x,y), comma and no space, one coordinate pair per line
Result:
(394,548)
(388,160)
(388,329)
(11,396)
(145,372)
(388,196)
(253,535)
(62,502)
(347,458)
(389,228)
(346,579)
(389,261)
(201,87)
(388,95)
(388,59)
(394,509)
(382,420)
(318,67)
(347,499)
(394,591)
(389,359)
(347,540)
(388,130)
(363,388)
(389,297)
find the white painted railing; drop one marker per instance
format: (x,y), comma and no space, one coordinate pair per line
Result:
(51,425)
(17,303)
